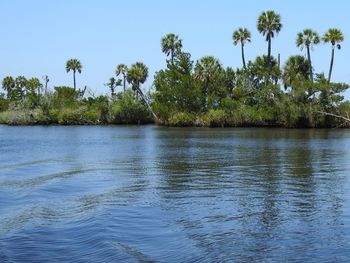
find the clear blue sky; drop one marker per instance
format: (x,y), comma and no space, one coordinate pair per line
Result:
(39,36)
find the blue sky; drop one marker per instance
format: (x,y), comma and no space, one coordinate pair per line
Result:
(39,36)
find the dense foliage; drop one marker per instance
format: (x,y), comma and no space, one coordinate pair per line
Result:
(196,93)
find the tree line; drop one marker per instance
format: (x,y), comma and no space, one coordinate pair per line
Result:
(196,93)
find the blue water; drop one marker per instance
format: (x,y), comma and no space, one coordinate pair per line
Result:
(152,194)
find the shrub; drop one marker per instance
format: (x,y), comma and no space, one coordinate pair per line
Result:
(182,119)
(4,103)
(70,117)
(216,118)
(23,117)
(129,110)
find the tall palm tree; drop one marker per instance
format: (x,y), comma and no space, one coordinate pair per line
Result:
(137,75)
(75,66)
(269,24)
(333,36)
(242,35)
(307,39)
(206,70)
(171,45)
(121,70)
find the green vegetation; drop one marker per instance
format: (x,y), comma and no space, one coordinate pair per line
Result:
(242,36)
(75,66)
(335,37)
(195,93)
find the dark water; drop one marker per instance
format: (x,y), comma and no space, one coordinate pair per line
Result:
(151,194)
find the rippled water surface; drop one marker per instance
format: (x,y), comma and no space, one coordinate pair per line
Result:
(152,194)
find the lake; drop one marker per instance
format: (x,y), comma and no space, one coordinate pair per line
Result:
(155,194)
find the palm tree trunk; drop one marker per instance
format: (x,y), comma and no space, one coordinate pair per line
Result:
(74,80)
(331,66)
(172,57)
(279,66)
(243,59)
(149,106)
(310,64)
(46,81)
(124,83)
(137,89)
(269,53)
(206,91)
(269,49)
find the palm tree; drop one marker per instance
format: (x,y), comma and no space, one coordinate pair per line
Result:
(269,24)
(242,35)
(122,69)
(112,84)
(8,83)
(75,66)
(171,45)
(205,71)
(46,80)
(334,36)
(307,39)
(136,75)
(33,86)
(296,68)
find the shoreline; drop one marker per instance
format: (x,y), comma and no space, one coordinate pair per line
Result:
(272,127)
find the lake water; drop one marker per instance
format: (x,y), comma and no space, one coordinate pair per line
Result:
(153,194)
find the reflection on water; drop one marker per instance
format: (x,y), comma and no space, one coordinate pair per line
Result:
(152,194)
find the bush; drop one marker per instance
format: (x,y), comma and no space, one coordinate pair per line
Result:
(97,109)
(70,117)
(129,110)
(23,117)
(4,103)
(64,97)
(182,119)
(80,116)
(216,118)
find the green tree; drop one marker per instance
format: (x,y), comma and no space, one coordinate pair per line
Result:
(75,66)
(15,87)
(20,88)
(171,45)
(136,75)
(242,36)
(112,84)
(122,70)
(297,68)
(335,37)
(269,24)
(33,86)
(8,83)
(206,71)
(176,90)
(263,71)
(307,39)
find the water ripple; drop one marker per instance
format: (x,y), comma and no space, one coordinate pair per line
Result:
(148,194)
